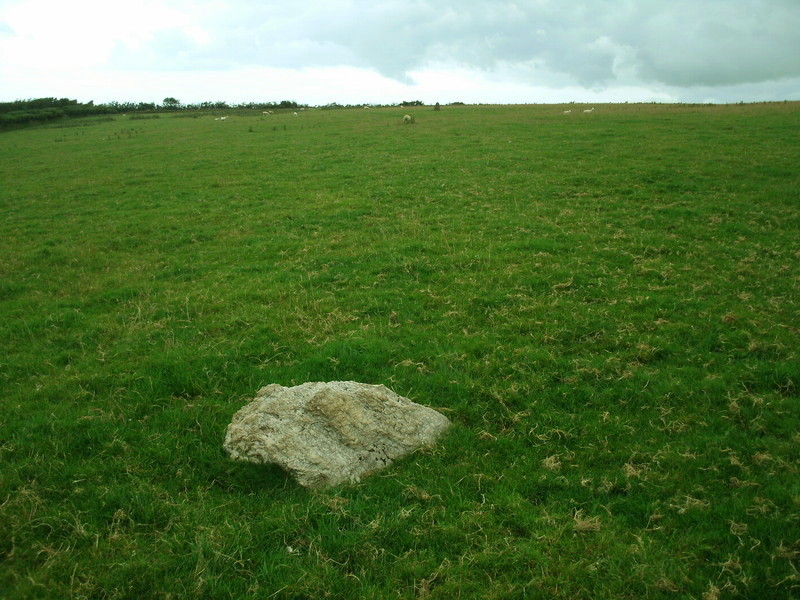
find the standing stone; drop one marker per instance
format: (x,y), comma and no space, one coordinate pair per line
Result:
(325,434)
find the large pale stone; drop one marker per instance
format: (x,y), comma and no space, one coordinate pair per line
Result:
(330,433)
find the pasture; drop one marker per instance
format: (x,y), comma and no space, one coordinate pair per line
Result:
(606,305)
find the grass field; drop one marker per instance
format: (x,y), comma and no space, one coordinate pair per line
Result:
(605,305)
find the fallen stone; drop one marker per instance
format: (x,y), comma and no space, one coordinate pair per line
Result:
(326,434)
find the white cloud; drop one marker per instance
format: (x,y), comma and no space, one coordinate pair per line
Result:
(468,50)
(52,35)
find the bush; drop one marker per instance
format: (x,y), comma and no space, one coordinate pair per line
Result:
(22,117)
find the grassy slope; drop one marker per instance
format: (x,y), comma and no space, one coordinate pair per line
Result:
(605,305)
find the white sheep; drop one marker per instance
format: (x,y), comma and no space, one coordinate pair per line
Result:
(588,110)
(407,119)
(566,112)
(295,114)
(265,112)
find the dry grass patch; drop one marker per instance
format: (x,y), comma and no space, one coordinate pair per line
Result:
(583,524)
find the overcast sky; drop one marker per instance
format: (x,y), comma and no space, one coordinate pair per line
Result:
(385,51)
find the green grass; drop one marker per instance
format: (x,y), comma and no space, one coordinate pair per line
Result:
(606,306)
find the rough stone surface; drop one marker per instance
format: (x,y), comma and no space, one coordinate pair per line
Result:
(330,433)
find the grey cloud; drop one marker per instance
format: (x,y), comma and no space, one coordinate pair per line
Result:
(731,46)
(782,89)
(592,43)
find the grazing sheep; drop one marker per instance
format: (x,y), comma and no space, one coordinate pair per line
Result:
(408,119)
(566,112)
(295,114)
(265,112)
(588,110)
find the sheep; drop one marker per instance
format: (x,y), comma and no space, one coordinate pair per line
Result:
(588,110)
(295,114)
(408,119)
(566,112)
(265,112)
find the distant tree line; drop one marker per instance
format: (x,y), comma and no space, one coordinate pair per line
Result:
(21,112)
(42,110)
